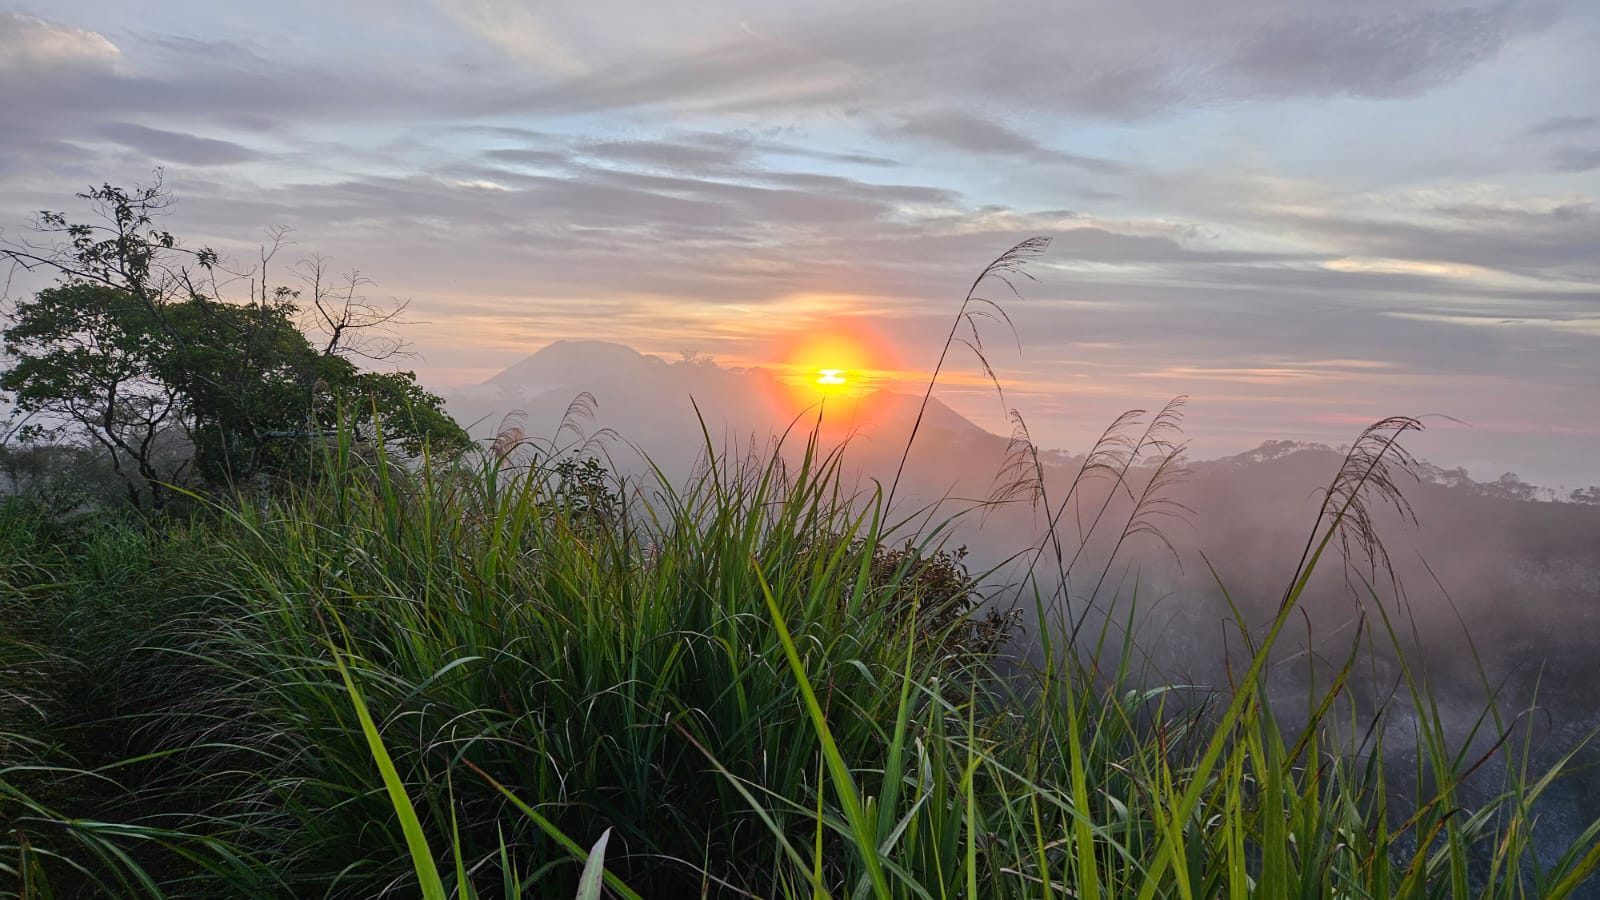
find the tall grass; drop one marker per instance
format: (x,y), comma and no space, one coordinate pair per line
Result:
(517,675)
(719,678)
(80,596)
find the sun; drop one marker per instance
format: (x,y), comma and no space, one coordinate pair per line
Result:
(832,360)
(828,365)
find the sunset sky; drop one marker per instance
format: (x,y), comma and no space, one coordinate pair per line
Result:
(1305,215)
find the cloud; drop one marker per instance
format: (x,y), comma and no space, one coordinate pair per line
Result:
(37,48)
(176,147)
(1589,325)
(528,156)
(1563,243)
(1575,159)
(976,134)
(1565,125)
(515,30)
(836,184)
(1392,53)
(965,131)
(1099,58)
(835,64)
(1516,233)
(75,81)
(699,153)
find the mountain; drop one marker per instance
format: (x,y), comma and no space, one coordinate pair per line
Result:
(576,362)
(885,406)
(659,407)
(668,409)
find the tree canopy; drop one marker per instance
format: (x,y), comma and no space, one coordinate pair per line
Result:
(138,350)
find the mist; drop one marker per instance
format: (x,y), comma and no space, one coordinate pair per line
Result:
(1488,601)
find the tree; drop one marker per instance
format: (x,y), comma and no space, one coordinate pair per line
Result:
(85,358)
(137,350)
(1511,487)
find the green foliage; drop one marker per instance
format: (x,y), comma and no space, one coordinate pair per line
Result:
(740,705)
(584,493)
(88,651)
(136,351)
(60,478)
(932,589)
(86,356)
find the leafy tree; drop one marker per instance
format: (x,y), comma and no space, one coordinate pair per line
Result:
(136,350)
(1510,487)
(85,358)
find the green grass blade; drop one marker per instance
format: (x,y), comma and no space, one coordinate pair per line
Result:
(594,869)
(843,783)
(421,856)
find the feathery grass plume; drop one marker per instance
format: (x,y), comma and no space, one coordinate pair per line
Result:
(1151,509)
(1368,475)
(578,415)
(512,445)
(1021,475)
(1003,268)
(510,436)
(1119,448)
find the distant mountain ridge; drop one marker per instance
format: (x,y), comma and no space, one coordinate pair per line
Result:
(646,398)
(566,360)
(622,377)
(1271,450)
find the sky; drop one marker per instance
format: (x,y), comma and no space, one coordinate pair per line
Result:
(1303,215)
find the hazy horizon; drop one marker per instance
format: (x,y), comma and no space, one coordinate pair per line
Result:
(654,403)
(1304,218)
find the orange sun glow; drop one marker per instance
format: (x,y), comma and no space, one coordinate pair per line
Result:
(830,366)
(832,359)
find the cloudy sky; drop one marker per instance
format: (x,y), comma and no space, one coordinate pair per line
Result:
(1303,214)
